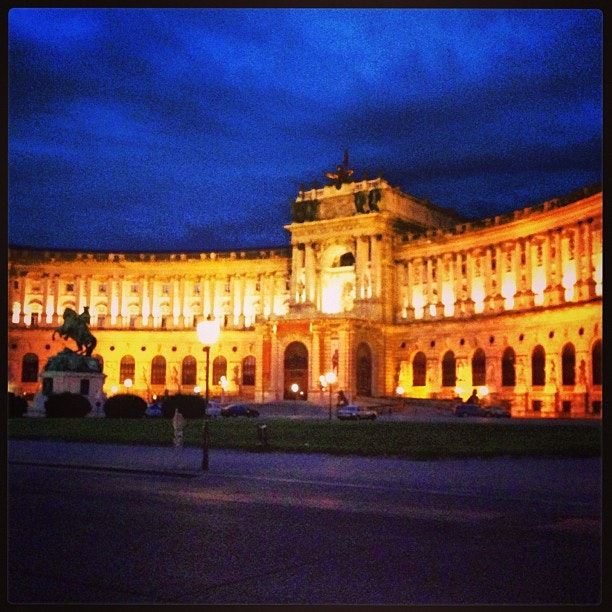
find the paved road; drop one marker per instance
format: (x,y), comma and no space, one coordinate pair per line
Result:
(144,525)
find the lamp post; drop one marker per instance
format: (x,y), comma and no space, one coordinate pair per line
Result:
(208,333)
(128,384)
(330,379)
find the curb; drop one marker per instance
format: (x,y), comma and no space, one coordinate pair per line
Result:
(102,468)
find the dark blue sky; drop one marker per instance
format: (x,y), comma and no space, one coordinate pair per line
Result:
(192,129)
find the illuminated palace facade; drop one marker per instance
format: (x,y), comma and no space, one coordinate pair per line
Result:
(393,294)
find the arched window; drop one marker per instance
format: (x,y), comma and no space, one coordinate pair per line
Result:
(127,368)
(189,371)
(449,369)
(248,370)
(419,370)
(568,365)
(219,369)
(348,259)
(596,363)
(479,364)
(508,371)
(296,370)
(29,368)
(538,366)
(158,370)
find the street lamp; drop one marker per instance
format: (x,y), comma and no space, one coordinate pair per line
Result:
(294,389)
(128,384)
(208,333)
(330,379)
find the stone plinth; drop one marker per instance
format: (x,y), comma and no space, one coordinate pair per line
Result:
(70,372)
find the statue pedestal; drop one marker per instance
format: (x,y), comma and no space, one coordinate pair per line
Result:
(69,372)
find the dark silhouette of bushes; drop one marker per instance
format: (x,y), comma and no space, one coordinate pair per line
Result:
(190,406)
(17,405)
(125,406)
(66,405)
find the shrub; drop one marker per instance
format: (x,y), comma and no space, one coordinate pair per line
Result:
(66,405)
(190,406)
(17,405)
(125,406)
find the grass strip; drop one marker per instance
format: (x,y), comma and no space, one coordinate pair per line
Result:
(415,440)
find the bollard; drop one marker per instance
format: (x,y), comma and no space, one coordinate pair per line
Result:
(262,435)
(205,446)
(178,422)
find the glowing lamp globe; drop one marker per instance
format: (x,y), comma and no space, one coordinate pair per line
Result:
(208,331)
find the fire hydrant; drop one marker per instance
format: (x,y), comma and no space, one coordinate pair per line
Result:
(178,422)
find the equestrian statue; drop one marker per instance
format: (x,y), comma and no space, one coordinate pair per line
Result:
(75,327)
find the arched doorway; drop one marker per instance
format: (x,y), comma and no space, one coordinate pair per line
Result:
(364,370)
(296,371)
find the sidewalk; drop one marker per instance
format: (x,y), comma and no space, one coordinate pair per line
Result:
(546,477)
(185,462)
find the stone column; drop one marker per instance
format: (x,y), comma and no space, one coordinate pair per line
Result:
(554,292)
(440,263)
(241,300)
(56,297)
(551,389)
(469,277)
(310,274)
(315,364)
(296,260)
(376,267)
(409,283)
(526,292)
(45,300)
(428,293)
(586,285)
(271,296)
(277,369)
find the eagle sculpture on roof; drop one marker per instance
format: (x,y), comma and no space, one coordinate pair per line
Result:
(342,174)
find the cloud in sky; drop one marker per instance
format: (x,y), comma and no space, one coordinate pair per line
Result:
(192,129)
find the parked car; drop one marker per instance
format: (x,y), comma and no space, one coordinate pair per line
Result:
(355,413)
(236,410)
(498,412)
(153,410)
(463,410)
(213,409)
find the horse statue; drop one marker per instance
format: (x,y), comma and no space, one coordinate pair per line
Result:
(75,327)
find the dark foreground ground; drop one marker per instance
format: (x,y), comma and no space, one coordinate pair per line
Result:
(133,524)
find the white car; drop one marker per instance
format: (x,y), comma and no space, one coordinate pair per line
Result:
(213,409)
(355,413)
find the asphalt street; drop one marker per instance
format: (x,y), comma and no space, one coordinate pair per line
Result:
(129,524)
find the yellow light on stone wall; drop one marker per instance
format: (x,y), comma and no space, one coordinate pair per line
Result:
(508,290)
(418,301)
(478,294)
(538,284)
(448,299)
(16,312)
(569,279)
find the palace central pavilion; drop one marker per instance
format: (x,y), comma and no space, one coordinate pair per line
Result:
(391,293)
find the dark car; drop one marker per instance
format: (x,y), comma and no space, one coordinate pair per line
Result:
(237,410)
(498,412)
(463,410)
(355,413)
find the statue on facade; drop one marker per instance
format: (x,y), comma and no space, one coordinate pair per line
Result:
(76,327)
